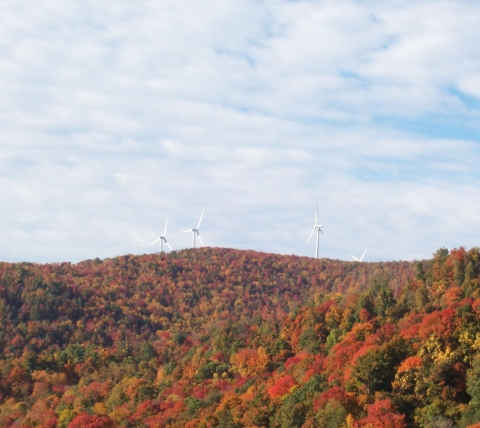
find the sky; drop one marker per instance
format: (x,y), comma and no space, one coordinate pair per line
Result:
(117,115)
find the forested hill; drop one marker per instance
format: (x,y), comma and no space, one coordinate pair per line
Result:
(228,338)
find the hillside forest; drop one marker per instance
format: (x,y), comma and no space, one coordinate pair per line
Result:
(228,338)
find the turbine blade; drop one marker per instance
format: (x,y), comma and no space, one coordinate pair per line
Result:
(201,242)
(171,249)
(199,221)
(355,258)
(165,230)
(311,233)
(321,231)
(316,212)
(154,242)
(188,230)
(365,252)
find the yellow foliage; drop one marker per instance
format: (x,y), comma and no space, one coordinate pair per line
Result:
(476,343)
(333,316)
(64,418)
(120,414)
(160,375)
(349,421)
(466,337)
(174,398)
(361,331)
(431,347)
(52,379)
(21,407)
(100,409)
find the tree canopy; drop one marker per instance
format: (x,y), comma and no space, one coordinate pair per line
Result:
(228,338)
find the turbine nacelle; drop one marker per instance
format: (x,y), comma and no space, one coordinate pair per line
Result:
(162,238)
(196,231)
(316,227)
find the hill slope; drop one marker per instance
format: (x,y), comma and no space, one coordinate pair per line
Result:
(227,338)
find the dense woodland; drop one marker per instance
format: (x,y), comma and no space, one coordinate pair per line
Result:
(227,338)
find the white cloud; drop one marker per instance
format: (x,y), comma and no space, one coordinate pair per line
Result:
(113,116)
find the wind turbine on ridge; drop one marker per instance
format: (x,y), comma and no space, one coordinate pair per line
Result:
(318,227)
(162,238)
(361,258)
(196,231)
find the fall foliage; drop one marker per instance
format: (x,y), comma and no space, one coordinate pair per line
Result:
(227,338)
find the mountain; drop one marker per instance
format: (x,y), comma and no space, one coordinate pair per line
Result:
(229,338)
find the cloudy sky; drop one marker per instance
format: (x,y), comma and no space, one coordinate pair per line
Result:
(115,115)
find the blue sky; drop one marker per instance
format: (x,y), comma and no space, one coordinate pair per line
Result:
(114,116)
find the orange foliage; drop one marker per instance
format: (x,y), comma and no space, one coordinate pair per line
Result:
(453,295)
(232,338)
(410,364)
(249,362)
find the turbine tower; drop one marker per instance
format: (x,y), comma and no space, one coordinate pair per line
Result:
(318,228)
(195,231)
(361,258)
(162,238)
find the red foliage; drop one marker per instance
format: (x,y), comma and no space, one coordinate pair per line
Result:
(361,352)
(340,357)
(84,420)
(476,306)
(335,393)
(219,356)
(386,332)
(49,420)
(382,414)
(167,411)
(410,325)
(146,409)
(441,323)
(293,361)
(364,315)
(325,307)
(281,387)
(208,328)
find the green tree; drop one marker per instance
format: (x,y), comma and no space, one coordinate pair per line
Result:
(376,369)
(332,416)
(421,298)
(420,272)
(471,414)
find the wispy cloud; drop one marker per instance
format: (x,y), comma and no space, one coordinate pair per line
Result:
(114,116)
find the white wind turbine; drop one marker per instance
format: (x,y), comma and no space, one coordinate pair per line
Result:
(318,228)
(361,258)
(162,238)
(196,231)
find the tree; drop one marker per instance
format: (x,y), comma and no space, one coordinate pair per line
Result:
(382,414)
(471,414)
(377,367)
(333,415)
(84,420)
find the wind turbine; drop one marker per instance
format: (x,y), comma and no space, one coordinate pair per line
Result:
(195,231)
(162,238)
(361,258)
(318,228)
